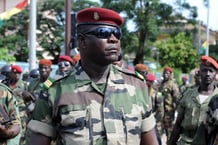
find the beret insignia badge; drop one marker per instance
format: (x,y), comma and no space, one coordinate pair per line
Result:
(96,16)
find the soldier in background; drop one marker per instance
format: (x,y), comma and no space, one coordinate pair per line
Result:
(184,84)
(207,133)
(141,69)
(99,103)
(12,80)
(157,104)
(9,117)
(65,65)
(35,86)
(170,93)
(194,103)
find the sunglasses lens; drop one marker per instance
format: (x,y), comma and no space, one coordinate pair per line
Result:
(104,33)
(65,63)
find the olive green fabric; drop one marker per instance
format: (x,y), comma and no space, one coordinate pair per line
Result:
(83,114)
(207,133)
(193,112)
(7,100)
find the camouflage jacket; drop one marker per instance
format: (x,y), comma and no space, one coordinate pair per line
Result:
(193,112)
(8,102)
(77,111)
(170,92)
(157,103)
(207,133)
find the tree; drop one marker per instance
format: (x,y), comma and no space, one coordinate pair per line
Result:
(178,52)
(50,30)
(148,16)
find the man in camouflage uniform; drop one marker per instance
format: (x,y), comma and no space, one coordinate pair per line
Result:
(184,85)
(65,65)
(170,93)
(157,104)
(12,75)
(193,105)
(8,128)
(207,133)
(35,86)
(98,103)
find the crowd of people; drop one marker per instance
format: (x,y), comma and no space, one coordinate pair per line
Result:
(95,99)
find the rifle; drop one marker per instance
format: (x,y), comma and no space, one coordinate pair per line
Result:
(4,118)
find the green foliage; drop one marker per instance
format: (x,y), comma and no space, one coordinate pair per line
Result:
(50,30)
(178,52)
(213,51)
(6,56)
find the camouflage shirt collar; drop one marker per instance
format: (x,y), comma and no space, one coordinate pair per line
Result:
(83,78)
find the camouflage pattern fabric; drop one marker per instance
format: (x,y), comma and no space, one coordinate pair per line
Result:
(193,112)
(17,91)
(207,133)
(9,104)
(158,110)
(77,111)
(170,92)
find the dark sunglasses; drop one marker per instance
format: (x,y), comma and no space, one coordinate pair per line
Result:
(65,63)
(104,32)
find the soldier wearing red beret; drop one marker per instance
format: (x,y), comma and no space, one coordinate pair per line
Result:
(194,103)
(98,103)
(170,92)
(65,65)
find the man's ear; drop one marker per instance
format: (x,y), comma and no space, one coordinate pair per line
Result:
(81,40)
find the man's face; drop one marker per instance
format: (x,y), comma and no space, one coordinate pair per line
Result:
(44,71)
(207,74)
(166,75)
(100,44)
(64,66)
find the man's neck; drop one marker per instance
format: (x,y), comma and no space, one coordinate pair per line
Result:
(96,72)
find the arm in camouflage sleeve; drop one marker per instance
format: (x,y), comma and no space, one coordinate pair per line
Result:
(177,127)
(176,95)
(12,128)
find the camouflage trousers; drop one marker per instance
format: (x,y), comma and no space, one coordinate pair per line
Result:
(167,125)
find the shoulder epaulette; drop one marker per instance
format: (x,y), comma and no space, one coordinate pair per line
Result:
(48,83)
(139,75)
(133,73)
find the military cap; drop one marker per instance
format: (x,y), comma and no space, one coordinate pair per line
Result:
(167,68)
(150,77)
(141,67)
(206,60)
(76,57)
(97,15)
(16,69)
(66,58)
(45,62)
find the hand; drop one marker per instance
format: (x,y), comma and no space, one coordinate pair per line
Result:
(27,96)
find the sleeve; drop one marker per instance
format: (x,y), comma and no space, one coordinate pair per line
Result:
(10,106)
(211,114)
(148,119)
(42,117)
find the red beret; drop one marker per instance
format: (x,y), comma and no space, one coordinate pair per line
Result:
(45,62)
(66,58)
(141,67)
(99,16)
(206,60)
(16,69)
(167,68)
(150,77)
